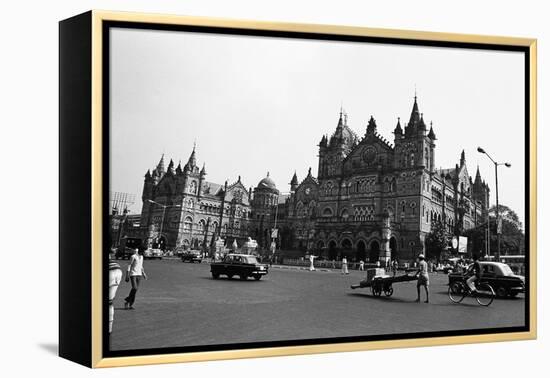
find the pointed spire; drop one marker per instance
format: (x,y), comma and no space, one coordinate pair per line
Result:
(170,167)
(309,172)
(160,165)
(415,113)
(371,127)
(148,174)
(398,130)
(323,142)
(192,162)
(294,179)
(421,124)
(462,158)
(478,177)
(203,170)
(431,134)
(178,169)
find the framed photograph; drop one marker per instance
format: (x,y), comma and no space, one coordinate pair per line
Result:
(234,189)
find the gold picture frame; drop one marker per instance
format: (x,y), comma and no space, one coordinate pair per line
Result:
(90,27)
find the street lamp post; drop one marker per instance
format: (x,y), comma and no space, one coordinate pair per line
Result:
(499,230)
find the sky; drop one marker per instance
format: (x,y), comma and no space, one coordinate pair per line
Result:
(255,105)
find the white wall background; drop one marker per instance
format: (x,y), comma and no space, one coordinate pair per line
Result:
(28,151)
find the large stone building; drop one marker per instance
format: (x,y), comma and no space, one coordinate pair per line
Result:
(181,208)
(371,199)
(374,201)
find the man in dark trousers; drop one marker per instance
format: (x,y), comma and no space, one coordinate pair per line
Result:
(134,274)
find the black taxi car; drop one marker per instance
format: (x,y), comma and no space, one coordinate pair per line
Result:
(243,266)
(499,275)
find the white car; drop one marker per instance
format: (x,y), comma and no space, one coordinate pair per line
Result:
(153,253)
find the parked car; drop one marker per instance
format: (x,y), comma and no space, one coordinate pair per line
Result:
(499,276)
(240,265)
(124,253)
(153,253)
(191,256)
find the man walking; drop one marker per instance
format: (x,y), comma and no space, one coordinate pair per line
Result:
(133,274)
(423,278)
(311,260)
(345,265)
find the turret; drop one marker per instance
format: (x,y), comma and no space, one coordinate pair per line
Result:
(398,131)
(294,182)
(431,133)
(170,170)
(371,127)
(179,171)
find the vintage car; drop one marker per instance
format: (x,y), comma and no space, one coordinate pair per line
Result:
(243,266)
(499,276)
(153,253)
(191,256)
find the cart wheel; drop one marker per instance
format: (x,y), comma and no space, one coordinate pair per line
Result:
(376,291)
(389,292)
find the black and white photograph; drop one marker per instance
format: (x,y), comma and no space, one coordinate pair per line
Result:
(281,190)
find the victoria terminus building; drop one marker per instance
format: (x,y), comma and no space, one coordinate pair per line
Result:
(371,199)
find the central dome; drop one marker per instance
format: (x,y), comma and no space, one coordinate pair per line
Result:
(267,183)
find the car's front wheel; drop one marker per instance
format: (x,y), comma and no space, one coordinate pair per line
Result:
(243,277)
(258,277)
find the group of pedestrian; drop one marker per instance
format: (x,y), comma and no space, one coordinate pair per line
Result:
(134,273)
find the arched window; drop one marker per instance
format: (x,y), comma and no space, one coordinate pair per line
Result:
(412,160)
(202,225)
(188,223)
(327,212)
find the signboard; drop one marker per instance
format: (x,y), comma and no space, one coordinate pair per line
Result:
(274,233)
(454,242)
(499,226)
(462,244)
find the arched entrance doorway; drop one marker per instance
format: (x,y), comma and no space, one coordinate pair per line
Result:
(159,243)
(374,252)
(361,253)
(320,248)
(347,247)
(332,250)
(393,249)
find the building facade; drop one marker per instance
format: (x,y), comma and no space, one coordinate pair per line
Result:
(371,200)
(180,208)
(374,200)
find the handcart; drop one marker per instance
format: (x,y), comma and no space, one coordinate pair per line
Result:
(379,282)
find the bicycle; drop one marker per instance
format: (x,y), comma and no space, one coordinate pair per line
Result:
(484,293)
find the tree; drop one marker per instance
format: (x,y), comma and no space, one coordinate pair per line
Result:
(437,240)
(512,240)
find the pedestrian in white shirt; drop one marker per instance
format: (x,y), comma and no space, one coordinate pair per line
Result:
(345,265)
(311,260)
(133,274)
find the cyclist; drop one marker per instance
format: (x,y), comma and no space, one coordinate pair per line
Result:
(474,273)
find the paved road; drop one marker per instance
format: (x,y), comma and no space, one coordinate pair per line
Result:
(181,305)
